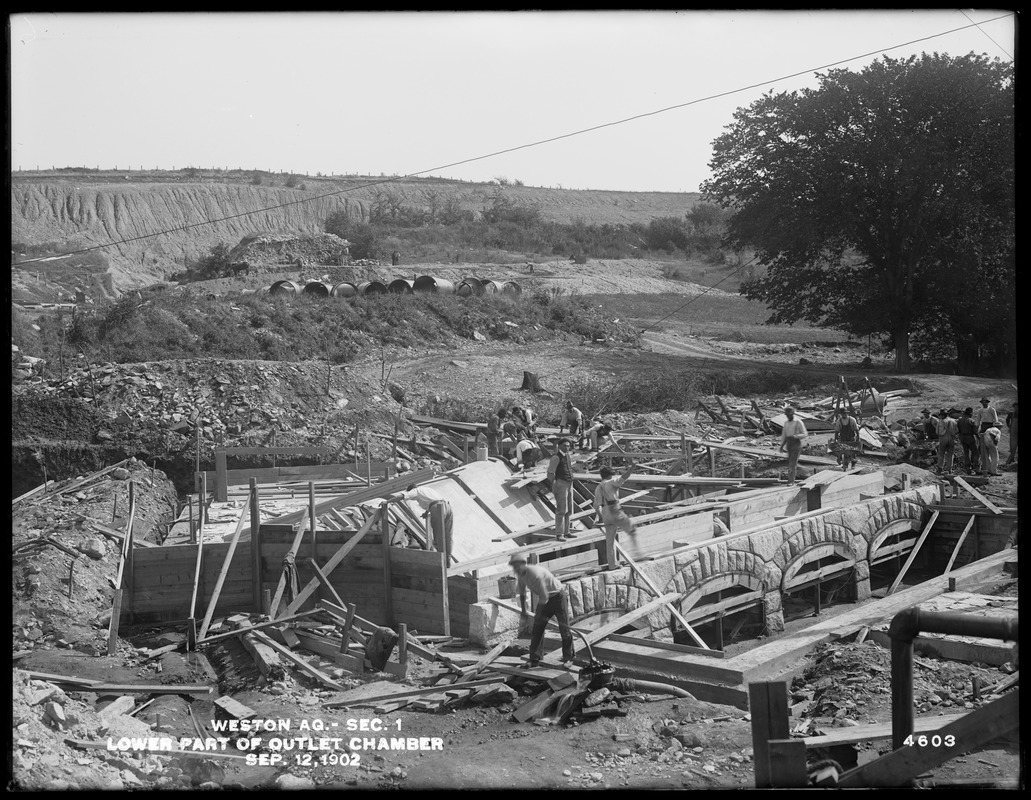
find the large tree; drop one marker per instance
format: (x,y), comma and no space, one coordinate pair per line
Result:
(870,198)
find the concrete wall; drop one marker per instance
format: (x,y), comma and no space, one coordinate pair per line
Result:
(754,560)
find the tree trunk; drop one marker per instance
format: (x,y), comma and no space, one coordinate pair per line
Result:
(531,382)
(902,350)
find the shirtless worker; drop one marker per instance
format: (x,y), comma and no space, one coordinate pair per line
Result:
(551,602)
(606,504)
(573,417)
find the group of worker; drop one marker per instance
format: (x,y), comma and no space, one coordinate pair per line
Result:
(520,426)
(977,432)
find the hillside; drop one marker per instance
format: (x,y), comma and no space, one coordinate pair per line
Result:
(54,211)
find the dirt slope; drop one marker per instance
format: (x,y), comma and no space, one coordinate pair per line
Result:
(92,208)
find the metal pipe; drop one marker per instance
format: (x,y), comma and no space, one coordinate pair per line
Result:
(469,287)
(427,283)
(904,628)
(344,289)
(401,286)
(649,687)
(285,288)
(369,288)
(317,289)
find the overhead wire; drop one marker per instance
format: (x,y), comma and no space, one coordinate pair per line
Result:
(549,140)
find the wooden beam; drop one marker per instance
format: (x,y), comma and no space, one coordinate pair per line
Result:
(578,515)
(660,645)
(256,578)
(490,511)
(321,577)
(222,574)
(274,451)
(257,627)
(601,632)
(768,705)
(388,599)
(303,665)
(655,590)
(360,702)
(484,662)
(978,496)
(970,732)
(281,586)
(959,544)
(333,561)
(913,552)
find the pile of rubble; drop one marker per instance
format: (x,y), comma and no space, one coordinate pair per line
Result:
(848,684)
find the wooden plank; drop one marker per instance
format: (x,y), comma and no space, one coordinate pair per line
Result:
(978,496)
(959,544)
(913,553)
(899,767)
(787,760)
(303,665)
(331,564)
(768,704)
(602,631)
(484,662)
(385,532)
(660,645)
(274,451)
(875,731)
(364,702)
(655,590)
(373,492)
(257,627)
(277,597)
(244,514)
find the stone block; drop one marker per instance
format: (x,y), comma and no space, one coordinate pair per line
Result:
(576,599)
(488,623)
(611,598)
(621,595)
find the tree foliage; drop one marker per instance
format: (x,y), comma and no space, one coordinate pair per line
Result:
(873,199)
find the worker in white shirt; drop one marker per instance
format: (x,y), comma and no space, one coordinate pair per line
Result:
(985,417)
(527,453)
(596,433)
(525,416)
(437,511)
(571,416)
(948,435)
(551,602)
(606,504)
(791,437)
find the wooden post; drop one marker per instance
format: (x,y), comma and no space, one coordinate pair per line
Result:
(684,452)
(203,498)
(768,704)
(712,462)
(742,470)
(311,519)
(393,452)
(256,591)
(266,599)
(191,635)
(355,448)
(465,448)
(384,520)
(368,462)
(690,457)
(348,623)
(193,530)
(402,645)
(221,476)
(197,465)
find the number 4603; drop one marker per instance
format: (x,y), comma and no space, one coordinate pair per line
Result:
(933,741)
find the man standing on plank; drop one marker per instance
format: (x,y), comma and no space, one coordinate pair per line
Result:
(791,437)
(436,511)
(606,503)
(551,602)
(560,474)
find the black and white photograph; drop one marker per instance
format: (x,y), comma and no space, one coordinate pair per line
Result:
(611,400)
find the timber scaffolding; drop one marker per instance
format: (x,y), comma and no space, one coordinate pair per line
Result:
(709,550)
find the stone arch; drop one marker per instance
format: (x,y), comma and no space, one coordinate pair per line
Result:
(817,532)
(617,611)
(814,554)
(715,583)
(886,531)
(696,567)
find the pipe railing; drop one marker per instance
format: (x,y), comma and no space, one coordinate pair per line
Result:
(904,628)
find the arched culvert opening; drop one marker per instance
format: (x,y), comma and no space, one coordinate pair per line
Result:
(511,288)
(427,283)
(889,549)
(723,609)
(371,288)
(317,289)
(491,287)
(344,289)
(285,289)
(401,286)
(818,577)
(470,287)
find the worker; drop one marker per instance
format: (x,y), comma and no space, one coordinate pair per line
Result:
(395,258)
(551,602)
(526,417)
(990,448)
(948,433)
(986,417)
(437,511)
(494,423)
(571,416)
(928,426)
(606,504)
(560,474)
(1011,426)
(791,436)
(968,436)
(527,453)
(595,433)
(513,428)
(846,433)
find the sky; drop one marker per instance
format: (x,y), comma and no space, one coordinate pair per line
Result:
(399,93)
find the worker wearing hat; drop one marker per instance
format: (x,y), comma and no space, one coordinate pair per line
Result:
(968,439)
(560,474)
(606,504)
(571,416)
(550,595)
(846,432)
